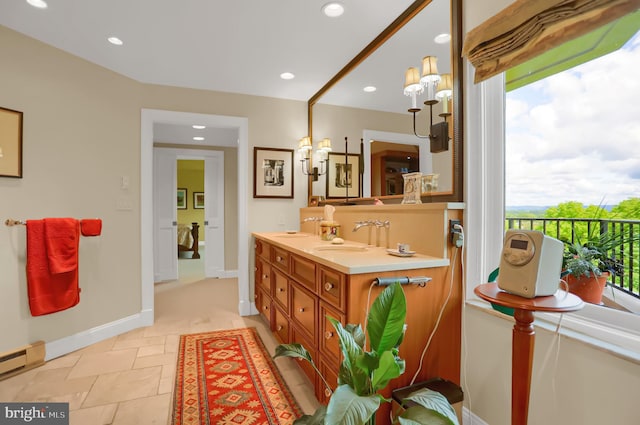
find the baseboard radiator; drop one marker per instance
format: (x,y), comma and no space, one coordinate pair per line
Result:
(21,359)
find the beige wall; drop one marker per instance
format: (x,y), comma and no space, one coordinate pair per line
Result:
(81,135)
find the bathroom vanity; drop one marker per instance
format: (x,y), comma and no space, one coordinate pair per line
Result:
(301,279)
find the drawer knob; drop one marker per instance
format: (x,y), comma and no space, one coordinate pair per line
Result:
(279,328)
(278,258)
(327,392)
(265,307)
(265,276)
(280,289)
(328,335)
(255,269)
(301,309)
(328,286)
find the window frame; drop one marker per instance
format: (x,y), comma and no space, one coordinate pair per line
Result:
(616,332)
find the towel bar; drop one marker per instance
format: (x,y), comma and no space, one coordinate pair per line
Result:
(12,222)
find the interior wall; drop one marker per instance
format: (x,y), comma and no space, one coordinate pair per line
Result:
(81,137)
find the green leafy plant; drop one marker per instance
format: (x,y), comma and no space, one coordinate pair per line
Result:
(364,373)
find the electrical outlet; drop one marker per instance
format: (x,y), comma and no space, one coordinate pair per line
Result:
(452,230)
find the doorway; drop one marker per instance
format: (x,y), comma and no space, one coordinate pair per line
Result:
(149,117)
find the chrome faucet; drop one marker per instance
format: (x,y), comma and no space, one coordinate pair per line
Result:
(386,224)
(367,223)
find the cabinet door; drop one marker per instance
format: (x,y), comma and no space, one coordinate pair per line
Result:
(263,275)
(280,258)
(331,286)
(262,249)
(309,371)
(304,272)
(303,310)
(281,325)
(281,290)
(329,343)
(330,374)
(263,304)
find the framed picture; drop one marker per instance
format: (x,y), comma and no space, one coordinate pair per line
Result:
(198,200)
(10,143)
(182,199)
(272,173)
(343,175)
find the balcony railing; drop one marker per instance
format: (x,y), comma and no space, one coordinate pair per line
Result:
(574,229)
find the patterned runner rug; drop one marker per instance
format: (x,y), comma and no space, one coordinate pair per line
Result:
(228,377)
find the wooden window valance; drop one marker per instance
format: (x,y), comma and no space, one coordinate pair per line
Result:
(528,28)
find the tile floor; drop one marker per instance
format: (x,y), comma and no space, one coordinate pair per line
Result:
(129,379)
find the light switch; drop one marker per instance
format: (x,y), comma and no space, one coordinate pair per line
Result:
(124,182)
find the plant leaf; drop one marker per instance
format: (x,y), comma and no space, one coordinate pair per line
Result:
(348,408)
(435,402)
(387,370)
(385,323)
(357,333)
(418,415)
(293,350)
(351,351)
(316,419)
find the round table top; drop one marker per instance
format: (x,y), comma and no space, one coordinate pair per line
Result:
(559,302)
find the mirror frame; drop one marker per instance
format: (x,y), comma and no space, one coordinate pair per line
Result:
(456,195)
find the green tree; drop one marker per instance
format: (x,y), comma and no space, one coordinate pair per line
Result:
(629,209)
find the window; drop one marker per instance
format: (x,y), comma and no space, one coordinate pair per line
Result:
(559,129)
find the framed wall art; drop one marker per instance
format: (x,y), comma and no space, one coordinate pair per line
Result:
(343,175)
(272,173)
(182,199)
(198,200)
(10,143)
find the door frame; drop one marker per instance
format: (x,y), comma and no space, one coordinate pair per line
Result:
(147,119)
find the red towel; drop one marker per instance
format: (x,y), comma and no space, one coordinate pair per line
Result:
(62,236)
(91,226)
(48,291)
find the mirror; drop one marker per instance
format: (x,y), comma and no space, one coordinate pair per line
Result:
(371,120)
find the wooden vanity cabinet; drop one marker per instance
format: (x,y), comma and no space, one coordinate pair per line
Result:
(301,293)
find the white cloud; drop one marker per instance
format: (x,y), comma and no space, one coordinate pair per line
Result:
(575,136)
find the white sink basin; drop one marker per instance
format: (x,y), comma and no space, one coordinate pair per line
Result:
(356,248)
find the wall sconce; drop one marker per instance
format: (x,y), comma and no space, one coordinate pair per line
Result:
(322,154)
(437,88)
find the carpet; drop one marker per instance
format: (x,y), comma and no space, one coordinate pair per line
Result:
(228,377)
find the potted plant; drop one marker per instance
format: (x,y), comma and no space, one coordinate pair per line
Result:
(364,373)
(588,265)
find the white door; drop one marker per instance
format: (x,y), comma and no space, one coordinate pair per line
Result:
(165,238)
(214,214)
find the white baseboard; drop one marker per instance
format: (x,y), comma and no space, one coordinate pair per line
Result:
(83,339)
(229,273)
(468,418)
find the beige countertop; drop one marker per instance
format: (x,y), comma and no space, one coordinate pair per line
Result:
(350,257)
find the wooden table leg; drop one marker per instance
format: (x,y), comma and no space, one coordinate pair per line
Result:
(521,365)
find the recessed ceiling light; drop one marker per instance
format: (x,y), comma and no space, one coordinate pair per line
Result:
(198,127)
(370,89)
(333,9)
(198,138)
(40,4)
(287,76)
(442,38)
(115,41)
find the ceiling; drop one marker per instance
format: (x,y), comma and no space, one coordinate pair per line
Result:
(239,46)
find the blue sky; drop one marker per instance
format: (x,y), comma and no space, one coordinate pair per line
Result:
(575,136)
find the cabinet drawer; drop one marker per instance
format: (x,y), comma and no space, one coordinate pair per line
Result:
(263,304)
(309,371)
(281,325)
(332,287)
(262,249)
(303,310)
(263,275)
(329,342)
(304,271)
(280,258)
(330,373)
(281,289)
